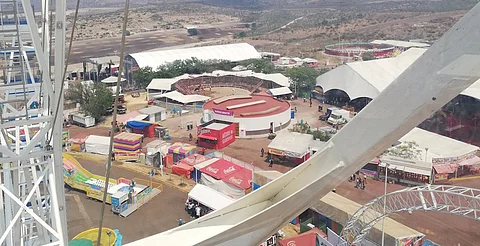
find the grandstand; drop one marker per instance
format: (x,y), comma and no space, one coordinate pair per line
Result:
(197,84)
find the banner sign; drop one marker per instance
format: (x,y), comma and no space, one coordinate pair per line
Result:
(454,160)
(222,112)
(276,152)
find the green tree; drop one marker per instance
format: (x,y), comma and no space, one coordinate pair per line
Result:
(367,56)
(405,150)
(94,99)
(259,65)
(304,78)
(143,76)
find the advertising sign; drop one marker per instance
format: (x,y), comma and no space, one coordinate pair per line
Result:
(276,152)
(454,160)
(222,112)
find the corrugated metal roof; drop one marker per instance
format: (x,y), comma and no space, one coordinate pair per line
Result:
(230,52)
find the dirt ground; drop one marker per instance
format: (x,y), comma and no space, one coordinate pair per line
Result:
(159,214)
(445,229)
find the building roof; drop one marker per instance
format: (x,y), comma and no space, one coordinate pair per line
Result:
(340,209)
(230,52)
(166,84)
(185,99)
(404,44)
(369,78)
(112,79)
(152,110)
(280,91)
(216,126)
(115,60)
(438,146)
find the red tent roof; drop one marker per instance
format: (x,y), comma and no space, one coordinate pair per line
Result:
(194,159)
(445,168)
(182,169)
(241,179)
(220,169)
(308,239)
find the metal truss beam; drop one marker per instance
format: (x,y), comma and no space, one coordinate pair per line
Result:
(461,201)
(32,202)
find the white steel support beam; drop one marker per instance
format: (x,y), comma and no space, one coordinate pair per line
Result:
(25,132)
(58,197)
(446,69)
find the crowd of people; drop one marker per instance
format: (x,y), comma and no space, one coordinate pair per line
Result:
(359,181)
(196,209)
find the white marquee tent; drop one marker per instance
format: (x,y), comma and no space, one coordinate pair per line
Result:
(97,144)
(184,99)
(369,78)
(209,197)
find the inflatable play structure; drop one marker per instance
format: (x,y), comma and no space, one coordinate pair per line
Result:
(125,196)
(89,238)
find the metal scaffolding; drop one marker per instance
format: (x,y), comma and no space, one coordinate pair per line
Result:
(32,202)
(455,200)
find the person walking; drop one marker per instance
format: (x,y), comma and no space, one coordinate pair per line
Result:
(271,162)
(262,152)
(180,222)
(190,137)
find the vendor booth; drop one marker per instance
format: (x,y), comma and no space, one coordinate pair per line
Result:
(155,113)
(241,179)
(194,160)
(197,174)
(406,172)
(182,170)
(181,150)
(209,197)
(145,128)
(156,152)
(97,144)
(77,142)
(221,169)
(290,147)
(127,146)
(216,134)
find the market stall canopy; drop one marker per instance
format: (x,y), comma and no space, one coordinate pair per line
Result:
(182,170)
(280,91)
(158,146)
(78,138)
(141,125)
(445,168)
(181,148)
(97,144)
(209,197)
(205,163)
(220,169)
(193,160)
(399,164)
(184,99)
(307,239)
(291,144)
(241,179)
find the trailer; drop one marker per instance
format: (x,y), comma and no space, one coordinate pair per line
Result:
(82,120)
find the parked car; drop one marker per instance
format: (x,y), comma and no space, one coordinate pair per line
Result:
(120,110)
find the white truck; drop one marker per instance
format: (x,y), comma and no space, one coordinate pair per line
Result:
(339,117)
(82,120)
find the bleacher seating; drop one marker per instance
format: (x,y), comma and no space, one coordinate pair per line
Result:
(191,86)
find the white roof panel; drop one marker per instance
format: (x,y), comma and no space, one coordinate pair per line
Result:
(230,52)
(294,142)
(209,197)
(151,110)
(185,99)
(280,91)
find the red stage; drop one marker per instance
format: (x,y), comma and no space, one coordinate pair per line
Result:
(216,134)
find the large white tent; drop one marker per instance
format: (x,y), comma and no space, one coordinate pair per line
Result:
(209,197)
(229,52)
(369,78)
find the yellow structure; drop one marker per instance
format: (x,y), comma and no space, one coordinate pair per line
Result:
(79,178)
(109,237)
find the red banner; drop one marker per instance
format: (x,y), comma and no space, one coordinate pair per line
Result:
(222,112)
